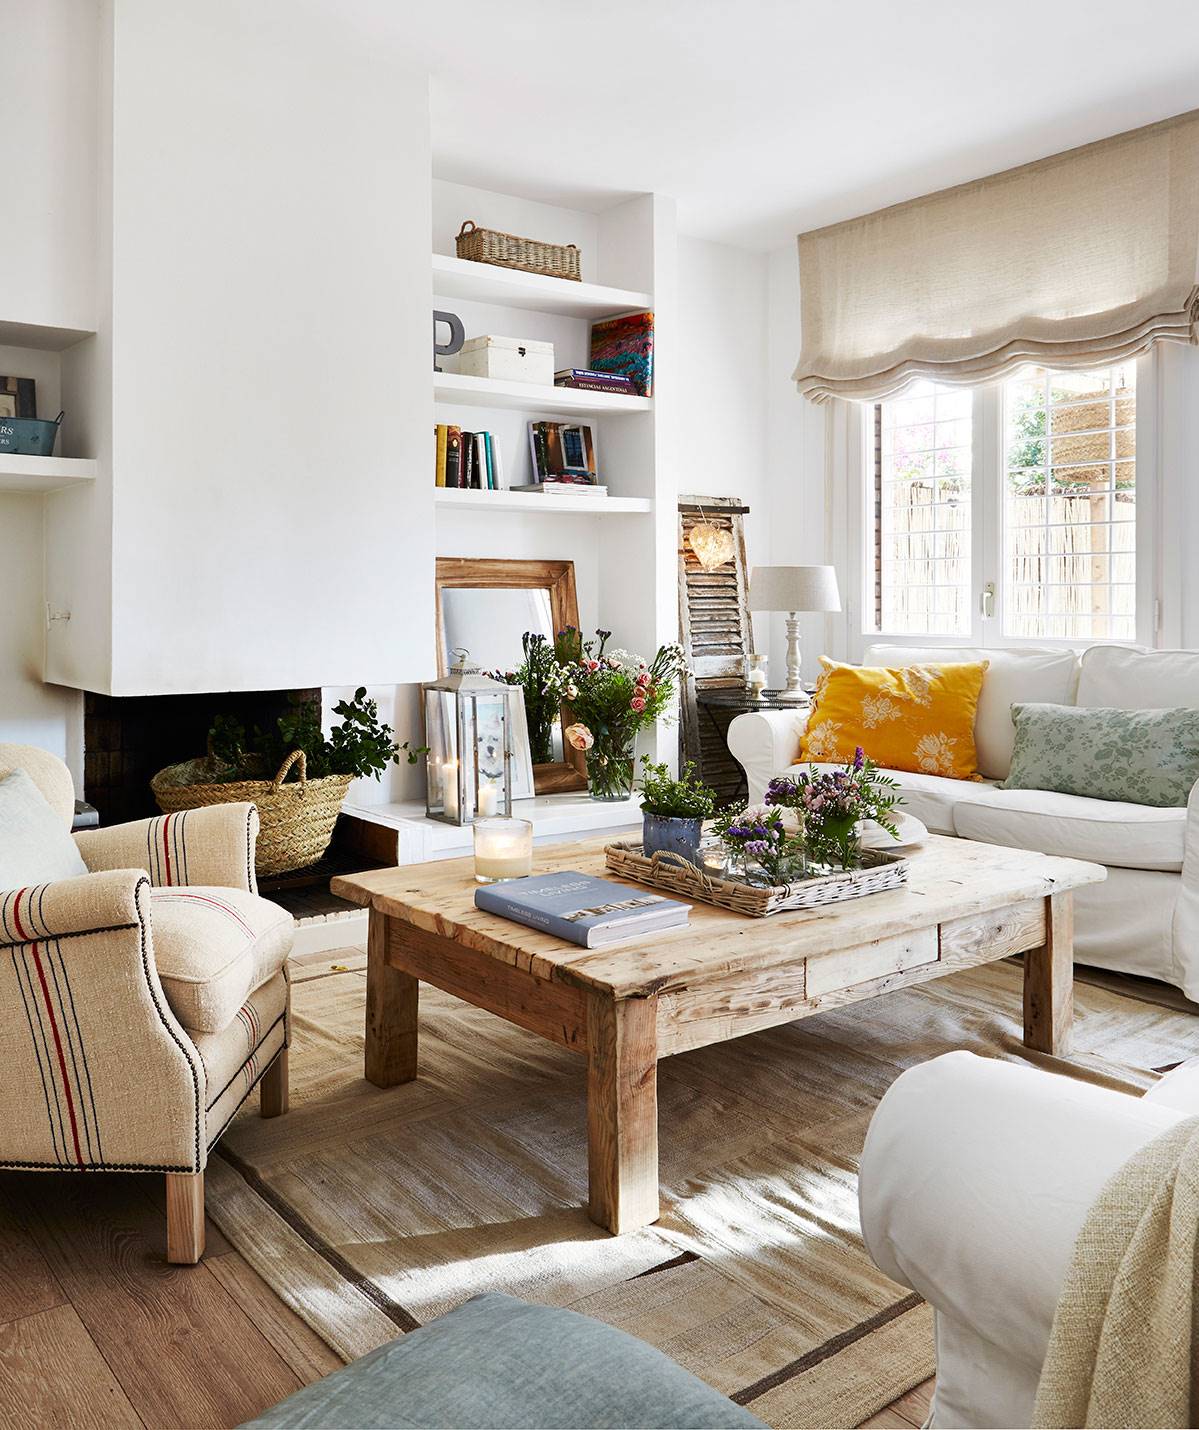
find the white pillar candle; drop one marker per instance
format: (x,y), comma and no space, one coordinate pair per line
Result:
(488,800)
(449,788)
(503,849)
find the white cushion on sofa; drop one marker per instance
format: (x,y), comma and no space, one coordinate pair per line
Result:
(1034,674)
(1134,678)
(931,798)
(1105,831)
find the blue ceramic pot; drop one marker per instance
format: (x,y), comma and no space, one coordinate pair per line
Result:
(669,832)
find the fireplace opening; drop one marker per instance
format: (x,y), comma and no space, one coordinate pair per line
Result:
(127,739)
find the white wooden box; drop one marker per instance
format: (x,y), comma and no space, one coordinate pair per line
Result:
(509,359)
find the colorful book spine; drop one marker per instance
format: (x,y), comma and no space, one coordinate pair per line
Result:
(453,457)
(489,455)
(443,432)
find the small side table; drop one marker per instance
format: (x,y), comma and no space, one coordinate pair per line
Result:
(721,706)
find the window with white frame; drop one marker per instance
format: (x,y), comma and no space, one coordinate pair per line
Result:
(1008,512)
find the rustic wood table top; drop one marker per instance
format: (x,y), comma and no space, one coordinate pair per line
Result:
(947,879)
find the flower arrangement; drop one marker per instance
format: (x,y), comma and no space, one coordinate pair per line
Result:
(758,843)
(612,694)
(535,677)
(833,804)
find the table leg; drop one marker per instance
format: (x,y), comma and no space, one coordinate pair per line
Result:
(1049,981)
(391,1005)
(622,1111)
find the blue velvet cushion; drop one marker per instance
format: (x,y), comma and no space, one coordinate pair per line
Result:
(498,1362)
(35,845)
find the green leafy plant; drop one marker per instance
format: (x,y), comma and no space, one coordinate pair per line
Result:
(361,745)
(684,798)
(535,676)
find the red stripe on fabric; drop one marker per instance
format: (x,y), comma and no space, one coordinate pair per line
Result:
(166,850)
(62,1062)
(184,895)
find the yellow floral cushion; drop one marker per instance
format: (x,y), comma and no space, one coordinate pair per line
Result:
(919,717)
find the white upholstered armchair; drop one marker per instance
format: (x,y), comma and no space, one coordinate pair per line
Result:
(142,1001)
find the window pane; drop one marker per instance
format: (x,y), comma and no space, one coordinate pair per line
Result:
(922,492)
(1070,504)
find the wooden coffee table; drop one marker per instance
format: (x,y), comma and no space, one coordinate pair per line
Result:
(724,976)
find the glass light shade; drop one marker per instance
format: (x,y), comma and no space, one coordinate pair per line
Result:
(712,545)
(503,850)
(468,729)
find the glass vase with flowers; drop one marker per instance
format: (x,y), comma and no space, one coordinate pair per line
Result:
(832,804)
(758,846)
(612,695)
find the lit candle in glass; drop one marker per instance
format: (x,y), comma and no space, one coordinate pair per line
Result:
(503,849)
(449,788)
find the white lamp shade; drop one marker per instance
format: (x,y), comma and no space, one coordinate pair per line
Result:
(793,588)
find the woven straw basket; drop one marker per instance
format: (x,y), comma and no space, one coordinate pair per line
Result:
(296,820)
(509,250)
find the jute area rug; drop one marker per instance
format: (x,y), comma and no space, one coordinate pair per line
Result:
(371,1212)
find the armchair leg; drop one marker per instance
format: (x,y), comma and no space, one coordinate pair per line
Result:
(185,1217)
(273,1087)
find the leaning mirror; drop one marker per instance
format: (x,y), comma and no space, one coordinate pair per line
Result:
(507,613)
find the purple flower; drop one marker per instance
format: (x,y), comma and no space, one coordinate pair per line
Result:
(757,846)
(859,758)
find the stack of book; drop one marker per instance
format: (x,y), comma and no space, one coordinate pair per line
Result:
(588,380)
(467,460)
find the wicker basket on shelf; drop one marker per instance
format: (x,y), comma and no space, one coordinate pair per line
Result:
(509,250)
(296,820)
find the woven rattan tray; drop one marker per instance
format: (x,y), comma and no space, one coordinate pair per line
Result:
(880,870)
(510,250)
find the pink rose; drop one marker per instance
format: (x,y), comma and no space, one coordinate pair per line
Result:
(638,703)
(591,665)
(580,737)
(643,678)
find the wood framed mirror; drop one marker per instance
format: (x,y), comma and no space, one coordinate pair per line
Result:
(485,605)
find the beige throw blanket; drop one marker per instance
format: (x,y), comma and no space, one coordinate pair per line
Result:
(1125,1336)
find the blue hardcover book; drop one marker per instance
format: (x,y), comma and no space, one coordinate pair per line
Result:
(581,908)
(490,461)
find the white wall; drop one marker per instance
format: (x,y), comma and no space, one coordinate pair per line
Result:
(270,355)
(799,519)
(47,105)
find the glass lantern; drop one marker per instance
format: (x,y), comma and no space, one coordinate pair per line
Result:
(469,719)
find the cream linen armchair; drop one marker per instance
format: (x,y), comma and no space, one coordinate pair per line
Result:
(141,1003)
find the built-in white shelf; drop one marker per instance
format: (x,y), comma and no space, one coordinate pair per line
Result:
(532,397)
(529,503)
(38,335)
(485,283)
(44,474)
(553,816)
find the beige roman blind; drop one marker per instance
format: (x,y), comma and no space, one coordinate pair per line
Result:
(1075,261)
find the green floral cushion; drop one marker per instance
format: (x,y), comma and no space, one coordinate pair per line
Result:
(1140,756)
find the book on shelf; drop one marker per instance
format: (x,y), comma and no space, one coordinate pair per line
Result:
(625,346)
(585,380)
(467,460)
(594,913)
(562,488)
(563,451)
(441,433)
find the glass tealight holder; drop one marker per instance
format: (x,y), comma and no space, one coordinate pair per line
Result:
(503,850)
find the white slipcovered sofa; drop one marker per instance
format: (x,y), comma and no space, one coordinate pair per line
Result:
(975,1181)
(1144,918)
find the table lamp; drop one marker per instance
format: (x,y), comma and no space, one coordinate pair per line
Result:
(793,589)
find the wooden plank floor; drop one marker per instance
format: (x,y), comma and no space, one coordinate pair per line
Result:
(97,1330)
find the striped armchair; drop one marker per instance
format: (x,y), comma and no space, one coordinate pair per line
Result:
(142,1002)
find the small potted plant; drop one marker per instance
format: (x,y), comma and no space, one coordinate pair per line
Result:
(673,811)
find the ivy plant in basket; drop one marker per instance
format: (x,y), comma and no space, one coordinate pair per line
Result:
(312,771)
